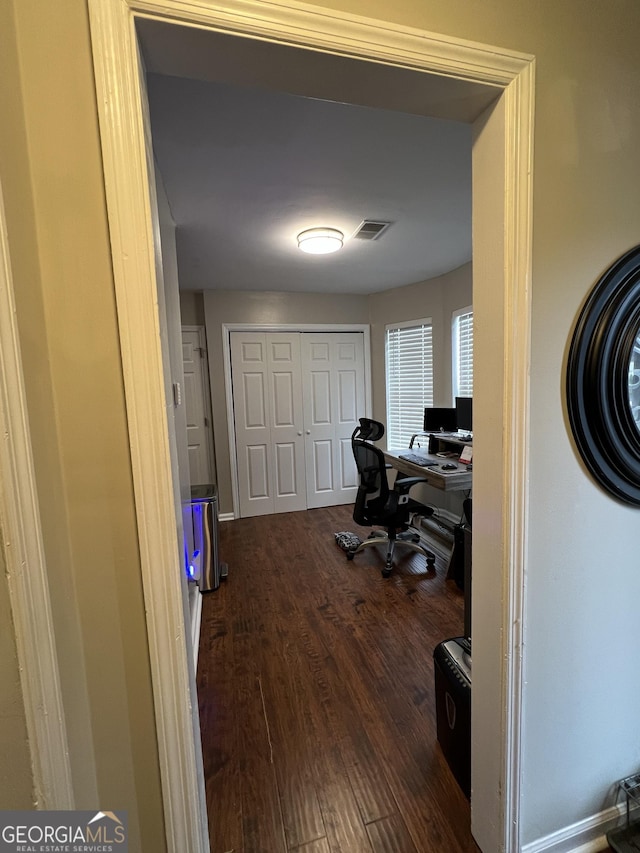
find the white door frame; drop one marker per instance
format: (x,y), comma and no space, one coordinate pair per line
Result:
(506,271)
(206,392)
(227,328)
(25,566)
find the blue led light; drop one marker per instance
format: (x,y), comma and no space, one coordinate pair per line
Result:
(191,570)
(188,567)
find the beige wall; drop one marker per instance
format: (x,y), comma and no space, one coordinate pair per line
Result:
(580,701)
(52,176)
(191,308)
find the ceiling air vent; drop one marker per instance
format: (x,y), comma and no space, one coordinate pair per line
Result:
(370,230)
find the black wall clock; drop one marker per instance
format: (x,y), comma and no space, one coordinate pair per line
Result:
(603,380)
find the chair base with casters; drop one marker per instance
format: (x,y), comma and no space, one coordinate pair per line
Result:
(377,505)
(404,538)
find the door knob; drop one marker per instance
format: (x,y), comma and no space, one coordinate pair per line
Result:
(308,432)
(299,432)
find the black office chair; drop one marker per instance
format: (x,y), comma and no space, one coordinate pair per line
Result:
(378,505)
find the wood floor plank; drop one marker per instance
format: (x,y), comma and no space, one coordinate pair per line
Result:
(309,680)
(335,718)
(286,703)
(319,846)
(217,712)
(389,835)
(406,741)
(316,694)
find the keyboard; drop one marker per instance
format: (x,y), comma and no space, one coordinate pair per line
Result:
(417,459)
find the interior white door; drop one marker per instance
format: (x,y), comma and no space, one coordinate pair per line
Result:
(267,399)
(334,399)
(199,436)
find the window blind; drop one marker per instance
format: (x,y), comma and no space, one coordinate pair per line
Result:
(463,354)
(409,361)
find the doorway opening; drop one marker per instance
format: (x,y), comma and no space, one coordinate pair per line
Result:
(502,261)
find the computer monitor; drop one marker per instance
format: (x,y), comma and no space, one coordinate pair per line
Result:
(440,420)
(464,412)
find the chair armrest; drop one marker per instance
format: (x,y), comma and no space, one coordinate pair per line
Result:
(405,483)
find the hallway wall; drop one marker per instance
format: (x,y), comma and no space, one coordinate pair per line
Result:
(50,166)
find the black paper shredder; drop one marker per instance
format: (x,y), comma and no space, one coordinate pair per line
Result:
(452,669)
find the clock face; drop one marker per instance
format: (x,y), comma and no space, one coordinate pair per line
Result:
(603,380)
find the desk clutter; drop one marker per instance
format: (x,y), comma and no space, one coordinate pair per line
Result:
(445,451)
(442,472)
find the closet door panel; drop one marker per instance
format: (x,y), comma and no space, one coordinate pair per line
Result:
(333,367)
(287,439)
(250,378)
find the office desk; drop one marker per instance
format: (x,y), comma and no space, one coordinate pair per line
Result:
(447,481)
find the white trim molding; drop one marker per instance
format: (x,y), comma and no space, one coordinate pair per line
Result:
(118,90)
(195,610)
(129,196)
(519,104)
(585,836)
(26,567)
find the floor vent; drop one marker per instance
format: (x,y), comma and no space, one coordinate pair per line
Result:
(370,230)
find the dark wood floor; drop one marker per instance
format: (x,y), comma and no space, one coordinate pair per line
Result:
(316,693)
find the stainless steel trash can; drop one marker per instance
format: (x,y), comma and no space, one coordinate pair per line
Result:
(204,511)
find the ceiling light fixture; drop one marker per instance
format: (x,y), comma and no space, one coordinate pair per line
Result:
(320,241)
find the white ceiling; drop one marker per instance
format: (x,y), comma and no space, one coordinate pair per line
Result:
(246,167)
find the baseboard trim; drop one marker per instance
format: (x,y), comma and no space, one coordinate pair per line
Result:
(226,516)
(585,836)
(195,610)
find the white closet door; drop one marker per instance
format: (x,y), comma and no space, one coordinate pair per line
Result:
(334,399)
(196,401)
(267,395)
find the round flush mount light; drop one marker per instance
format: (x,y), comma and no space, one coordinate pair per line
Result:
(320,241)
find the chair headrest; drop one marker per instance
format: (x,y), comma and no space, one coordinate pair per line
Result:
(369,430)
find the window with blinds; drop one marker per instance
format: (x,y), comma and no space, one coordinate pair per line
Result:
(409,362)
(462,350)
